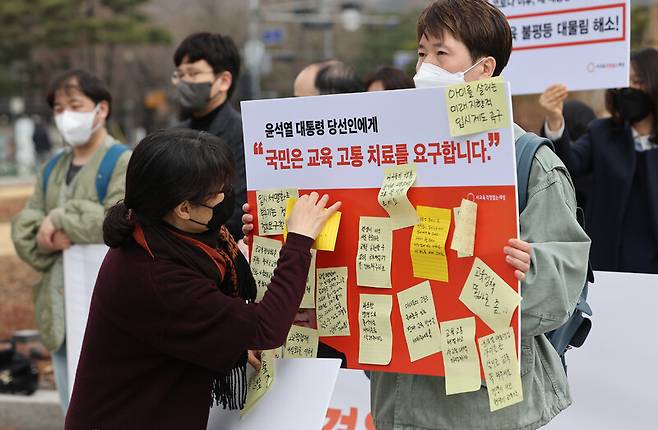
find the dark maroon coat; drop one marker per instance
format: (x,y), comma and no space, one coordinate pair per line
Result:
(157,331)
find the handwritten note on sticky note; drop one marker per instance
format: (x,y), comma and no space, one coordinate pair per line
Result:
(393,195)
(456,218)
(428,239)
(477,106)
(463,238)
(376,339)
(421,329)
(277,352)
(373,258)
(302,342)
(260,382)
(331,301)
(489,297)
(264,256)
(326,240)
(460,356)
(272,210)
(308,301)
(501,369)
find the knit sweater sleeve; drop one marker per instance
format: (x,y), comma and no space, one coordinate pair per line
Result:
(204,326)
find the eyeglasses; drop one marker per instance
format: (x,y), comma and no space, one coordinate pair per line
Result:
(192,75)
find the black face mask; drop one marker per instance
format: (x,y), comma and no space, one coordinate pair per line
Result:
(193,96)
(634,105)
(221,212)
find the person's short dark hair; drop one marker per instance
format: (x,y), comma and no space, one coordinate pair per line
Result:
(645,63)
(478,24)
(167,168)
(83,81)
(218,51)
(391,78)
(338,78)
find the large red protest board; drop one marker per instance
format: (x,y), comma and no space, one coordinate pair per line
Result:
(341,145)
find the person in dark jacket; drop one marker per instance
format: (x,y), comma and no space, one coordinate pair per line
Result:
(207,71)
(172,318)
(577,116)
(621,152)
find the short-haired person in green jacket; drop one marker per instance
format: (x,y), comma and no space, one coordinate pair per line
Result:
(69,201)
(468,40)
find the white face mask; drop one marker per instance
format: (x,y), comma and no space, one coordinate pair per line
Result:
(77,127)
(431,76)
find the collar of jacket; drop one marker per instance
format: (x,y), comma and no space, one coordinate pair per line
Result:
(223,114)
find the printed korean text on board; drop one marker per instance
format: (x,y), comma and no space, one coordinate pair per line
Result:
(391,279)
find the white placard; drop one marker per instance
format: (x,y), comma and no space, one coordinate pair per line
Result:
(350,403)
(383,128)
(613,376)
(606,394)
(299,398)
(81,266)
(583,44)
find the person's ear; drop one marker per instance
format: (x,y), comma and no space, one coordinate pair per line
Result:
(488,67)
(103,110)
(183,210)
(224,81)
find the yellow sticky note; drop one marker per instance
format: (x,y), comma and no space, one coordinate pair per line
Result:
(272,210)
(331,301)
(460,356)
(501,369)
(308,301)
(260,383)
(373,258)
(393,195)
(428,239)
(463,238)
(421,329)
(326,240)
(489,297)
(302,342)
(277,352)
(477,106)
(264,256)
(376,339)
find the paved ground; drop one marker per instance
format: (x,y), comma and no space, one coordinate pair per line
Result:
(40,411)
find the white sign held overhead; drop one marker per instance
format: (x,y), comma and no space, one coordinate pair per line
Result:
(583,44)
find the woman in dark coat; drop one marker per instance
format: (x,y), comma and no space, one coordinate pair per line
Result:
(621,152)
(172,318)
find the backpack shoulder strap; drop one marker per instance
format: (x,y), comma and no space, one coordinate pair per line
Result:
(526,147)
(48,170)
(106,169)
